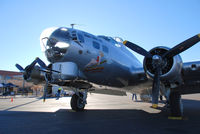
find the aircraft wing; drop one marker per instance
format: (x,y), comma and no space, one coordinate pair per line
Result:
(191,78)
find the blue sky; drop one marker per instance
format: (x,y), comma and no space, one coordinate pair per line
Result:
(148,23)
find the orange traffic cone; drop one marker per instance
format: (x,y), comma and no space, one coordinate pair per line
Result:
(11,99)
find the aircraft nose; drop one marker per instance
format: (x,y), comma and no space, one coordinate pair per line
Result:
(45,35)
(55,42)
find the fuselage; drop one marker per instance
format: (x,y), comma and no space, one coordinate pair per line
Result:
(100,59)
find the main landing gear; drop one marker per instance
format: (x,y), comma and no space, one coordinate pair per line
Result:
(78,100)
(176,107)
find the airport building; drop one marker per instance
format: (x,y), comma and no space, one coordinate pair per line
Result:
(6,84)
(8,75)
(12,83)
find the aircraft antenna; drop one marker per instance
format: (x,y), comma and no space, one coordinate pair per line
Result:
(72,25)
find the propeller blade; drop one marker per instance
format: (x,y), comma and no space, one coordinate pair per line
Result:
(41,63)
(37,60)
(31,66)
(21,69)
(182,46)
(156,87)
(137,49)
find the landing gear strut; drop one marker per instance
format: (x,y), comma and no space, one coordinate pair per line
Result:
(78,101)
(176,106)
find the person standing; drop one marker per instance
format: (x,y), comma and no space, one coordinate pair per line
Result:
(134,96)
(58,93)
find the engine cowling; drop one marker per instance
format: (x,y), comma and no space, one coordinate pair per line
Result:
(171,66)
(36,76)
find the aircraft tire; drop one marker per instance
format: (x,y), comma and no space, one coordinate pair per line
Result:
(77,103)
(175,104)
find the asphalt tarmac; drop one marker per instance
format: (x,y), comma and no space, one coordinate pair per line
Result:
(103,114)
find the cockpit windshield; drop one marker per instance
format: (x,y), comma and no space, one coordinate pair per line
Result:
(109,39)
(112,40)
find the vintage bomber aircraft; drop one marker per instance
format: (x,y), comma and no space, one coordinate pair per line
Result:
(79,60)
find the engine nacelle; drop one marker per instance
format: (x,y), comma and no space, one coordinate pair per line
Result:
(36,76)
(68,70)
(171,70)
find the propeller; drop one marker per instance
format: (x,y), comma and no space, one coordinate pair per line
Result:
(28,69)
(158,61)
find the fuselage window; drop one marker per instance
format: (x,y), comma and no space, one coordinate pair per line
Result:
(96,45)
(105,49)
(81,38)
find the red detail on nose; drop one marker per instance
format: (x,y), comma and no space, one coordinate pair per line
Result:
(97,59)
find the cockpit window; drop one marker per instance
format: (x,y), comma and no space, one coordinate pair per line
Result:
(86,35)
(94,38)
(96,45)
(109,39)
(90,36)
(81,38)
(104,37)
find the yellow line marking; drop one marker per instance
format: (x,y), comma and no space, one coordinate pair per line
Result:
(154,105)
(175,118)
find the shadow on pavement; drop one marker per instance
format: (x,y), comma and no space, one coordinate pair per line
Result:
(101,121)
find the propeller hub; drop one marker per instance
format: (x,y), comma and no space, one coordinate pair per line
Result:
(157,61)
(156,58)
(150,64)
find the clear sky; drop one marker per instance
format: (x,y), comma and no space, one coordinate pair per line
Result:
(148,23)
